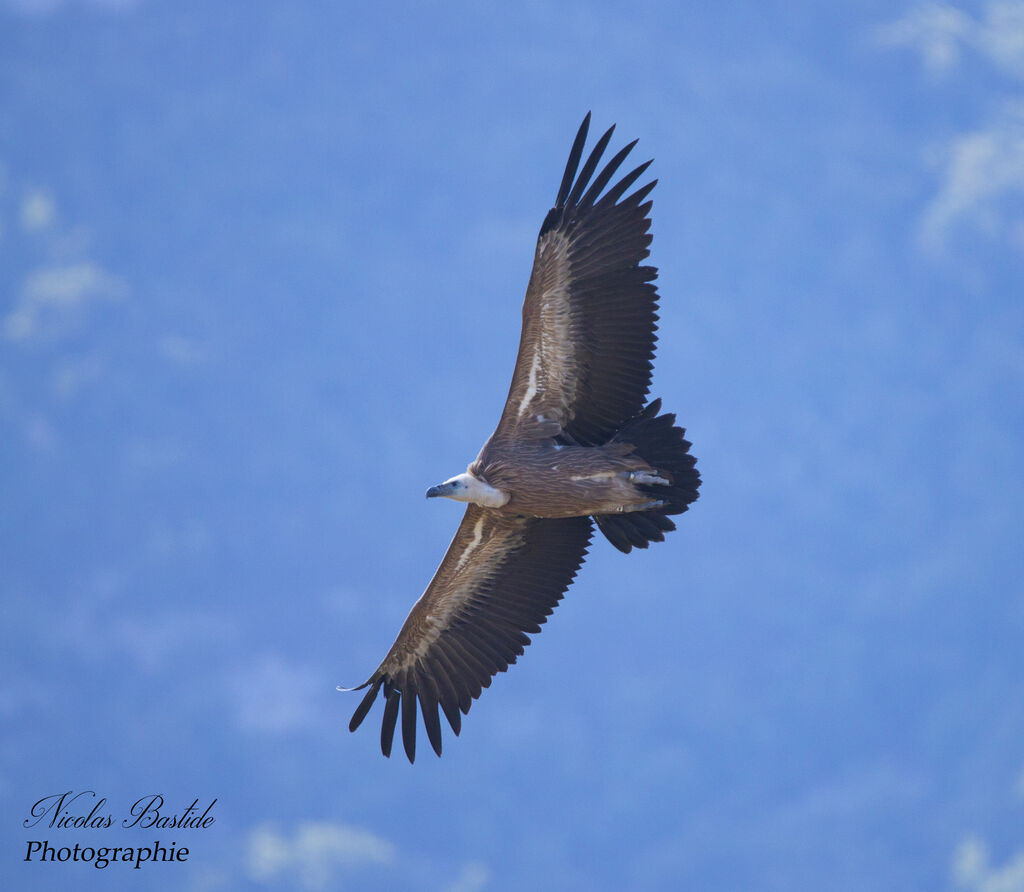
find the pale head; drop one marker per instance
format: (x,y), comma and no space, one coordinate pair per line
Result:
(467,488)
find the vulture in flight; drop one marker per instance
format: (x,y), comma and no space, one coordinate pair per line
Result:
(577,445)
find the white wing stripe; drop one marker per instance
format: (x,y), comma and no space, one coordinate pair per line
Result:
(478,535)
(532,383)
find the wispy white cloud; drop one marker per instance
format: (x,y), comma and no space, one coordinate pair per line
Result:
(982,171)
(52,297)
(181,350)
(1001,36)
(97,627)
(276,696)
(73,374)
(982,182)
(474,877)
(942,33)
(972,870)
(37,210)
(152,646)
(39,433)
(56,281)
(314,854)
(936,31)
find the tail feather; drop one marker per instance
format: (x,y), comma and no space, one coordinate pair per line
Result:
(663,446)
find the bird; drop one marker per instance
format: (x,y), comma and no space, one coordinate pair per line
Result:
(577,445)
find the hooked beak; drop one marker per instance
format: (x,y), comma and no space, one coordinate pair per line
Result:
(442,489)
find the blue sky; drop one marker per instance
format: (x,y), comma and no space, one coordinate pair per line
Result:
(262,268)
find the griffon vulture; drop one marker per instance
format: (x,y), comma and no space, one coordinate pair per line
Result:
(576,445)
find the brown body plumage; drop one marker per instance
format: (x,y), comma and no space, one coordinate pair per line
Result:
(544,479)
(575,445)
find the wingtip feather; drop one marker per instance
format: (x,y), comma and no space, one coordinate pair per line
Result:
(409,720)
(387,728)
(364,705)
(574,160)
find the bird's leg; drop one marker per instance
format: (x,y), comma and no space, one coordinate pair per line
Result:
(651,477)
(646,506)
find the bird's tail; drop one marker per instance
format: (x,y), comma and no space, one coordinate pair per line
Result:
(663,446)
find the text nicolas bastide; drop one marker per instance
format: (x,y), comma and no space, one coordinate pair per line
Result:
(71,811)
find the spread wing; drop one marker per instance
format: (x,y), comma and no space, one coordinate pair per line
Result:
(584,363)
(500,579)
